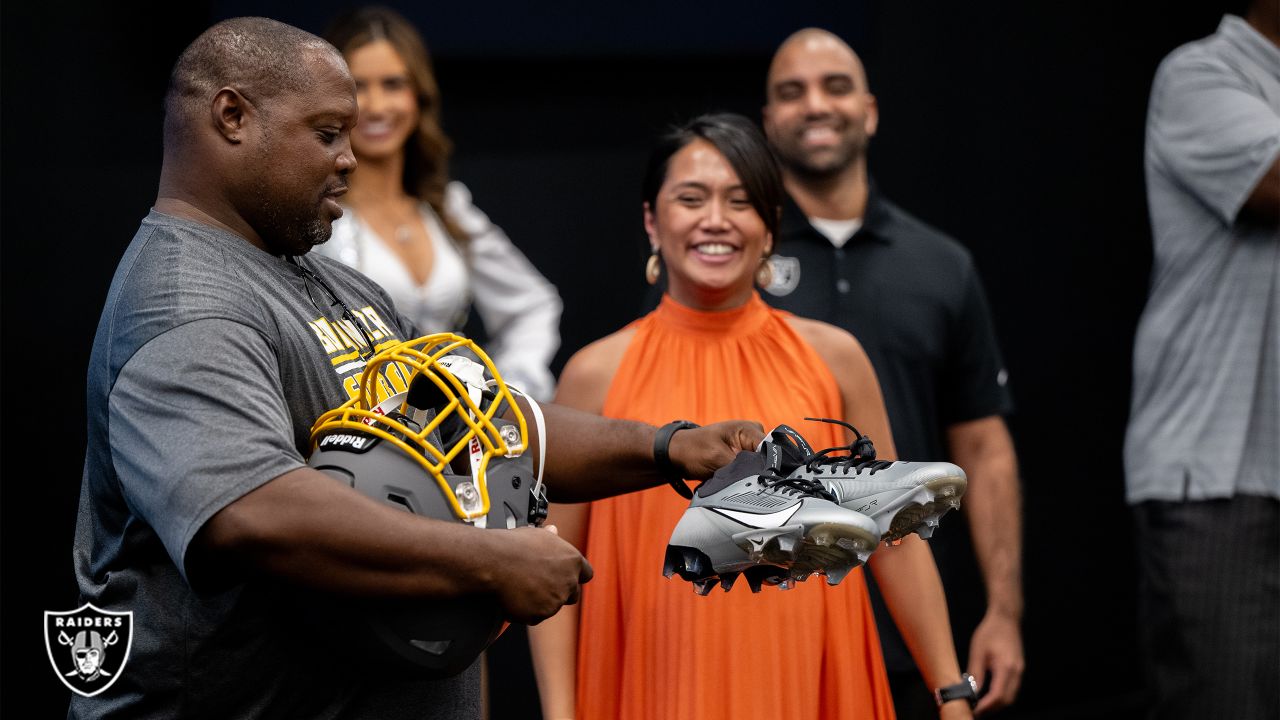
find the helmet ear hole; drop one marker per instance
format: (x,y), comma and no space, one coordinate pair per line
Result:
(400,501)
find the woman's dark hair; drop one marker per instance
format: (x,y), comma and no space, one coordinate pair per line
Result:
(742,144)
(426,157)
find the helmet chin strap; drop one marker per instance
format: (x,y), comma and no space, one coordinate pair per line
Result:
(539,489)
(471,373)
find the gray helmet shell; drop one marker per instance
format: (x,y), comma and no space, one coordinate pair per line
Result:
(433,638)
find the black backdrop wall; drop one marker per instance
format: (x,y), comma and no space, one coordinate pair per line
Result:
(1017,129)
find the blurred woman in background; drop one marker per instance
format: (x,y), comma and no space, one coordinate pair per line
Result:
(415,232)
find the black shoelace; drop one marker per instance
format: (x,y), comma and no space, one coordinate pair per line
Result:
(861,453)
(793,485)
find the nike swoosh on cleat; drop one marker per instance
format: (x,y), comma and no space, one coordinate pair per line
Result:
(759,520)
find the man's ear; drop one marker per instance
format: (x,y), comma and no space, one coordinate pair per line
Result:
(873,115)
(230,110)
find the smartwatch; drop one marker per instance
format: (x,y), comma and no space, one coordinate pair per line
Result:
(662,457)
(966,689)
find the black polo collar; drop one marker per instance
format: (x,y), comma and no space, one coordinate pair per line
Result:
(876,222)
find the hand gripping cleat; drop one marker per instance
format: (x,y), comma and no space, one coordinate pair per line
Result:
(776,530)
(901,497)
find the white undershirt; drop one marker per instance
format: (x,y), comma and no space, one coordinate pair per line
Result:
(837,231)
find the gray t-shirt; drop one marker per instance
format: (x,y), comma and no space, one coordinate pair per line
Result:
(211,362)
(1205,419)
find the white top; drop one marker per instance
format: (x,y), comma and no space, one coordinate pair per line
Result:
(837,231)
(519,307)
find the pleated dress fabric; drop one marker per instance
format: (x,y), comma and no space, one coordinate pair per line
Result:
(649,647)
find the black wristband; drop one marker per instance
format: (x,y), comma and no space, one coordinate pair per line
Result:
(966,689)
(662,456)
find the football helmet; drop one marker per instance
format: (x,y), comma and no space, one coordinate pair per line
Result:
(449,445)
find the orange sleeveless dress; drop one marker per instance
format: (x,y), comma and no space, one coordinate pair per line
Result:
(651,649)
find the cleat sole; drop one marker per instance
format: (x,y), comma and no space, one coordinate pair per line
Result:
(921,510)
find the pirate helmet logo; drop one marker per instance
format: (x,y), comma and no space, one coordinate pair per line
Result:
(88,647)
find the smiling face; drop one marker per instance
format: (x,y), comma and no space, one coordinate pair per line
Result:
(710,236)
(389,111)
(819,117)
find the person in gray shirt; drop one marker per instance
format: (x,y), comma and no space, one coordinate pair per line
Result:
(220,343)
(1202,452)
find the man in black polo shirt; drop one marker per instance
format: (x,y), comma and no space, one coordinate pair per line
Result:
(911,296)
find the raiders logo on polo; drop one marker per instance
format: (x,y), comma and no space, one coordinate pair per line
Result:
(786,275)
(88,647)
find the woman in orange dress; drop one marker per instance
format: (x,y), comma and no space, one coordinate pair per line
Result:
(644,647)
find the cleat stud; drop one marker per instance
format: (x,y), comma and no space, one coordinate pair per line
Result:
(693,564)
(689,563)
(836,574)
(672,562)
(702,587)
(728,579)
(761,575)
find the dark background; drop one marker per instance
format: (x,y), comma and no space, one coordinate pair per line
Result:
(1016,129)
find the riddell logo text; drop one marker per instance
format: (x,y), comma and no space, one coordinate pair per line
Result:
(355,442)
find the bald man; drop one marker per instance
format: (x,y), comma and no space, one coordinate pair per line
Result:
(911,296)
(198,513)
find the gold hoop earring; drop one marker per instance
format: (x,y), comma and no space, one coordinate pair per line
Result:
(652,269)
(764,273)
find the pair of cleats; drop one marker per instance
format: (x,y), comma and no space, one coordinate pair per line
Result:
(783,513)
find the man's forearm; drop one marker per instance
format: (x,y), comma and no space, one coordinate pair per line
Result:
(993,504)
(589,457)
(314,531)
(309,528)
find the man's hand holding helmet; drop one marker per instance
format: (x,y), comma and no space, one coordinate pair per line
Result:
(534,572)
